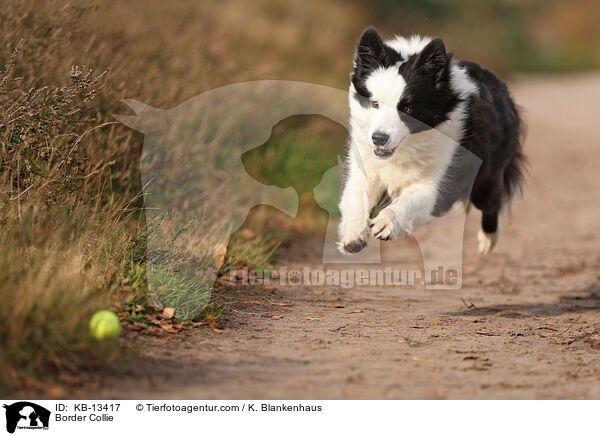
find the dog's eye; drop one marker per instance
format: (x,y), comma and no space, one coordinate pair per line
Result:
(375,104)
(407,109)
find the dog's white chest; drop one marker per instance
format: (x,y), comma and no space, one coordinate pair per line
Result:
(397,174)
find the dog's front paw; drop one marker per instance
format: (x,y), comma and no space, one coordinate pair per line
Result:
(352,238)
(385,225)
(352,247)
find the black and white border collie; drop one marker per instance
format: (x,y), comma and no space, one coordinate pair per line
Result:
(414,111)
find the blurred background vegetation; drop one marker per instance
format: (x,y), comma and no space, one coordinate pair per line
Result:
(505,35)
(72,237)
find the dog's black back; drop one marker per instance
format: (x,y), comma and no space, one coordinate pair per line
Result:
(493,132)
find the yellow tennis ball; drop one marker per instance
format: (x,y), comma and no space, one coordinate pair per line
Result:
(105,325)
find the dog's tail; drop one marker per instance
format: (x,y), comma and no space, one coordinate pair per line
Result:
(514,172)
(513,179)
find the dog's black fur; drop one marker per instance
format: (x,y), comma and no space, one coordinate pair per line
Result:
(493,133)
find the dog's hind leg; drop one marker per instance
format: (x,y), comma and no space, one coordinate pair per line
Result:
(489,233)
(487,196)
(494,198)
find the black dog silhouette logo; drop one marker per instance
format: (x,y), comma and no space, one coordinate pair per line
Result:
(26,415)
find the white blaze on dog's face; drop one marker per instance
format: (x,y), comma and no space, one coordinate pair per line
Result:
(386,129)
(398,88)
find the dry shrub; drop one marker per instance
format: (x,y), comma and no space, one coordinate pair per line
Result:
(39,144)
(69,178)
(64,237)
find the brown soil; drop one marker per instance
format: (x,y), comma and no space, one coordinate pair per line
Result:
(524,325)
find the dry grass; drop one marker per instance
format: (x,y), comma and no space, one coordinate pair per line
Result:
(64,237)
(72,237)
(56,270)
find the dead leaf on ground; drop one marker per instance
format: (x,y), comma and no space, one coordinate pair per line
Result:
(418,360)
(260,303)
(220,249)
(246,234)
(168,312)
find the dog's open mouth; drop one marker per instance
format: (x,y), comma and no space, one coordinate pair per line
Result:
(383,152)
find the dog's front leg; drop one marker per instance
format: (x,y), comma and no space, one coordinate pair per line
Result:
(413,206)
(358,198)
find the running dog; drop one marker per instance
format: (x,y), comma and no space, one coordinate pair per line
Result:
(415,113)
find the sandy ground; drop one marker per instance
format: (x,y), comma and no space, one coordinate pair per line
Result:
(524,325)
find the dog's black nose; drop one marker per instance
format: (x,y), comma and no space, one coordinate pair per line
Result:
(380,138)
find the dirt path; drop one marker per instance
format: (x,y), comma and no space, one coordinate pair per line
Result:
(532,328)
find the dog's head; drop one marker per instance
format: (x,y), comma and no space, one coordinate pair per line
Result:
(398,88)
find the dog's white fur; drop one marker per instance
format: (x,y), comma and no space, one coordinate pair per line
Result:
(413,174)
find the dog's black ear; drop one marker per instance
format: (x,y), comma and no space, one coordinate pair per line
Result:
(434,58)
(369,50)
(371,53)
